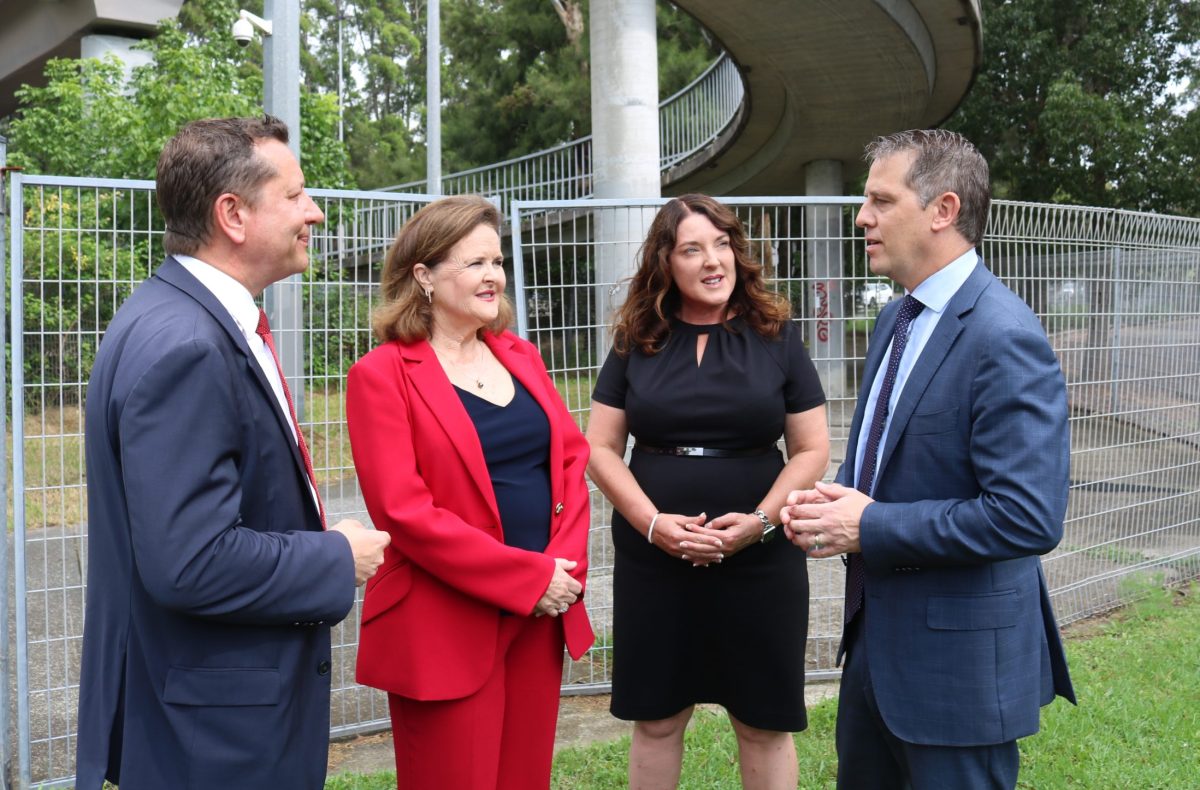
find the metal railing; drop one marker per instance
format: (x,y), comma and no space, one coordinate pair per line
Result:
(1118,293)
(689,121)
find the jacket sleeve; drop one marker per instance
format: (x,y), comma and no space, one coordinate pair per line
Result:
(180,453)
(434,538)
(1018,446)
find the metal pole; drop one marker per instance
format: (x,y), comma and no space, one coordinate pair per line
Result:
(341,112)
(16,317)
(281,98)
(433,100)
(5,676)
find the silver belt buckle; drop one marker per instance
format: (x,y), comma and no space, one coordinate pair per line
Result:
(690,451)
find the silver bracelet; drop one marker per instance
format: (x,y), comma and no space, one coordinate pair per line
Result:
(650,532)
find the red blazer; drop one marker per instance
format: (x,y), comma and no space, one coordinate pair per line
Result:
(431,614)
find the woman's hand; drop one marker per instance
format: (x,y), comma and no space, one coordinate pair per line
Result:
(736,531)
(672,533)
(562,591)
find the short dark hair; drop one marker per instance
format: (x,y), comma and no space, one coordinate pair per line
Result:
(944,162)
(204,160)
(406,314)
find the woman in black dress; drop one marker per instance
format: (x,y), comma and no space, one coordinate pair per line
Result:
(707,372)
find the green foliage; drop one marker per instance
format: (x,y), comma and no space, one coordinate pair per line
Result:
(1079,102)
(87,121)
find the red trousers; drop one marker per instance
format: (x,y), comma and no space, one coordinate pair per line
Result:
(499,738)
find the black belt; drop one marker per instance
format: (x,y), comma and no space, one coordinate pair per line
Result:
(706,452)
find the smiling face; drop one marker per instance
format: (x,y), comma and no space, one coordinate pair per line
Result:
(899,231)
(468,285)
(703,268)
(278,220)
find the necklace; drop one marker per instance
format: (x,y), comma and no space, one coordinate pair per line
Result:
(467,369)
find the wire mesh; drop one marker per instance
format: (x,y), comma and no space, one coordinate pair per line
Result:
(1118,294)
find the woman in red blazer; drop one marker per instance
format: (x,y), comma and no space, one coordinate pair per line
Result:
(468,458)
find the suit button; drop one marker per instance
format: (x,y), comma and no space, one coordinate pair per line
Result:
(323,668)
(558,509)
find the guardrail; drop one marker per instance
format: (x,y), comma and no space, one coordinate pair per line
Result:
(688,122)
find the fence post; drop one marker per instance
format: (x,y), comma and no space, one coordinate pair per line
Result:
(5,675)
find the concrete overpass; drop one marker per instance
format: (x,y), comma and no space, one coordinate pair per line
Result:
(823,77)
(34,31)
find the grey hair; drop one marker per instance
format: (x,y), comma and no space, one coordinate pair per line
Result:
(944,162)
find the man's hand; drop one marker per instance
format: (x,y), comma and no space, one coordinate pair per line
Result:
(825,521)
(563,590)
(367,545)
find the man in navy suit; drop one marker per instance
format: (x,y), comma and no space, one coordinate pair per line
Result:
(955,481)
(212,583)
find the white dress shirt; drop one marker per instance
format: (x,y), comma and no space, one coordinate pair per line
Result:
(935,293)
(234,297)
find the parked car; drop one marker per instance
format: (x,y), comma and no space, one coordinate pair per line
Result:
(873,294)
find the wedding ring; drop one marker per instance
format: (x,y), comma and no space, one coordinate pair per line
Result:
(816,544)
(563,609)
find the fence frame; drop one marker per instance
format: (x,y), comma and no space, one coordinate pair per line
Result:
(1122,233)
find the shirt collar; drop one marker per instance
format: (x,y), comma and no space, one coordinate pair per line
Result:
(939,288)
(232,295)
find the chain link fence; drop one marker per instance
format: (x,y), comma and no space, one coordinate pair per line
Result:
(1118,293)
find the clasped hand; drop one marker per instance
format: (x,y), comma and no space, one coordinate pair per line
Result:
(562,592)
(824,521)
(366,545)
(701,542)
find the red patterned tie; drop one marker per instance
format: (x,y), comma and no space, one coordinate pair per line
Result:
(264,331)
(856,575)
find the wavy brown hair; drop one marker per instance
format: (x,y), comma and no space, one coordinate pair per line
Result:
(427,238)
(643,322)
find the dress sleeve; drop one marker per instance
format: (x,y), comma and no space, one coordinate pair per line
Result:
(611,384)
(802,388)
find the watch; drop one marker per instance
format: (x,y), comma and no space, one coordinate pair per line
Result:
(768,528)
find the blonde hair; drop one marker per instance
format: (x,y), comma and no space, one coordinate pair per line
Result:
(406,314)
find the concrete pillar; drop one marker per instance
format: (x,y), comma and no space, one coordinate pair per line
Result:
(625,151)
(826,268)
(97,46)
(281,98)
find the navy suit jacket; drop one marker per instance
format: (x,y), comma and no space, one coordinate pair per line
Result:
(211,585)
(971,487)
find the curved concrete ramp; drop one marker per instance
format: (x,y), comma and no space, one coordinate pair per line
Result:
(823,77)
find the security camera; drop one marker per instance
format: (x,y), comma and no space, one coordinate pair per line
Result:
(243,32)
(243,27)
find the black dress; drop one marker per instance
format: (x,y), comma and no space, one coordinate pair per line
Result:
(731,633)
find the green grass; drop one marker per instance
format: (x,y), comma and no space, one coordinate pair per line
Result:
(1137,676)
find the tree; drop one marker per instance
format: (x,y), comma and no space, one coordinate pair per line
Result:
(1078,102)
(87,121)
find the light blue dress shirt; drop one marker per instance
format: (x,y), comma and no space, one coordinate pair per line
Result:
(935,293)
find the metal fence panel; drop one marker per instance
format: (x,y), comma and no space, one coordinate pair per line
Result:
(79,247)
(1118,294)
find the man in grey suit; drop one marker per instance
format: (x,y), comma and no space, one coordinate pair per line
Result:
(955,481)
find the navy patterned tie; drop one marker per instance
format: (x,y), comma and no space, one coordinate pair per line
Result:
(856,575)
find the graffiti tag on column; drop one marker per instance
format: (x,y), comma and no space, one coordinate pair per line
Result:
(822,289)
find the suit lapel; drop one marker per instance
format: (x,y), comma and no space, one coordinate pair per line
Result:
(434,388)
(932,356)
(172,272)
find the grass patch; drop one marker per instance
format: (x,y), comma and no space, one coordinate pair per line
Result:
(1137,677)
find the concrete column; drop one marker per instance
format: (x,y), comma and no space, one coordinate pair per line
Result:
(826,268)
(281,98)
(97,46)
(625,151)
